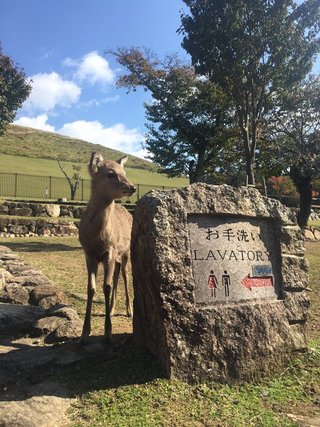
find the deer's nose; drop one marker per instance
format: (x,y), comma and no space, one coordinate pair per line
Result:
(133,188)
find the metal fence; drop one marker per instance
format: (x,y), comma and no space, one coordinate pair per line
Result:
(53,188)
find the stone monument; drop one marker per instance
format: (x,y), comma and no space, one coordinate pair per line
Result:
(219,278)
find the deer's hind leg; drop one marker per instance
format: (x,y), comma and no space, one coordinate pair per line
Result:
(114,288)
(92,268)
(125,275)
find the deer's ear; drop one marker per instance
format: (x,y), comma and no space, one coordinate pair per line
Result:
(95,163)
(123,160)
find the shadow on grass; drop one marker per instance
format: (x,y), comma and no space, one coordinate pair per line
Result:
(40,246)
(75,369)
(124,363)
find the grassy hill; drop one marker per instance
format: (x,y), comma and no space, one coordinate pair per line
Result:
(34,152)
(28,142)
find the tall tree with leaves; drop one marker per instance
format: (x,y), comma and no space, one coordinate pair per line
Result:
(252,48)
(187,115)
(293,140)
(14,90)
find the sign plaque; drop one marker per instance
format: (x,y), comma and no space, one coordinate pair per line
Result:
(234,259)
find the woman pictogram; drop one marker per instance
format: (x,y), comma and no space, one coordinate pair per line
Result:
(212,283)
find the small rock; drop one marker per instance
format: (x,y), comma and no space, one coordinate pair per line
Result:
(65,331)
(46,325)
(308,234)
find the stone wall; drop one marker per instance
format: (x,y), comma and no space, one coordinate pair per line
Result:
(41,209)
(220,281)
(24,227)
(31,305)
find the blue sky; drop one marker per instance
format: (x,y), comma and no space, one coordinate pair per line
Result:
(61,46)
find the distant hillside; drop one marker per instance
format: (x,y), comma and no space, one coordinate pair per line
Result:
(28,142)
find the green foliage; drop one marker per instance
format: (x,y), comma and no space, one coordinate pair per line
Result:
(14,90)
(187,116)
(252,48)
(294,131)
(293,136)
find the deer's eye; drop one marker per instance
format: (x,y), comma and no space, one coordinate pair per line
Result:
(111,174)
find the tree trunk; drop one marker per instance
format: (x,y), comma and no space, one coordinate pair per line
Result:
(197,169)
(249,153)
(304,188)
(250,170)
(73,190)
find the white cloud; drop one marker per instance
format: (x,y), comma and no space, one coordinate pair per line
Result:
(93,68)
(39,122)
(117,136)
(50,91)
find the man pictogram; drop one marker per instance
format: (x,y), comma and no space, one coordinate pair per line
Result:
(226,283)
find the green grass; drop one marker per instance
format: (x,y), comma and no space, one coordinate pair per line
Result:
(29,151)
(19,140)
(25,186)
(314,223)
(45,167)
(124,386)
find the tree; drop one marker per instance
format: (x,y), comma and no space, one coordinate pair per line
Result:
(294,139)
(14,90)
(187,115)
(76,177)
(251,48)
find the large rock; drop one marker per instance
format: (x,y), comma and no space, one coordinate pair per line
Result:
(46,296)
(21,212)
(15,294)
(16,320)
(219,279)
(52,210)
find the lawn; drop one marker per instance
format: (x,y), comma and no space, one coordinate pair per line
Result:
(125,386)
(46,167)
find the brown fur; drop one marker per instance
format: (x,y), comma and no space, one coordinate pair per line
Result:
(105,233)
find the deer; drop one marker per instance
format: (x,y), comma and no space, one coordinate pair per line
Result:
(105,234)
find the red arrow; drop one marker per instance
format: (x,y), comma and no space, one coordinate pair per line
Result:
(257,282)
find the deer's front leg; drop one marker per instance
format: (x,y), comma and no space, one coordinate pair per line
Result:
(92,267)
(109,266)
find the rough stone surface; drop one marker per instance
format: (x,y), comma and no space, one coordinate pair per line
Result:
(30,304)
(46,296)
(17,320)
(30,393)
(18,227)
(13,293)
(309,234)
(40,209)
(45,405)
(53,210)
(218,336)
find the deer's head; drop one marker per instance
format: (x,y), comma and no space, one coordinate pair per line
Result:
(109,180)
